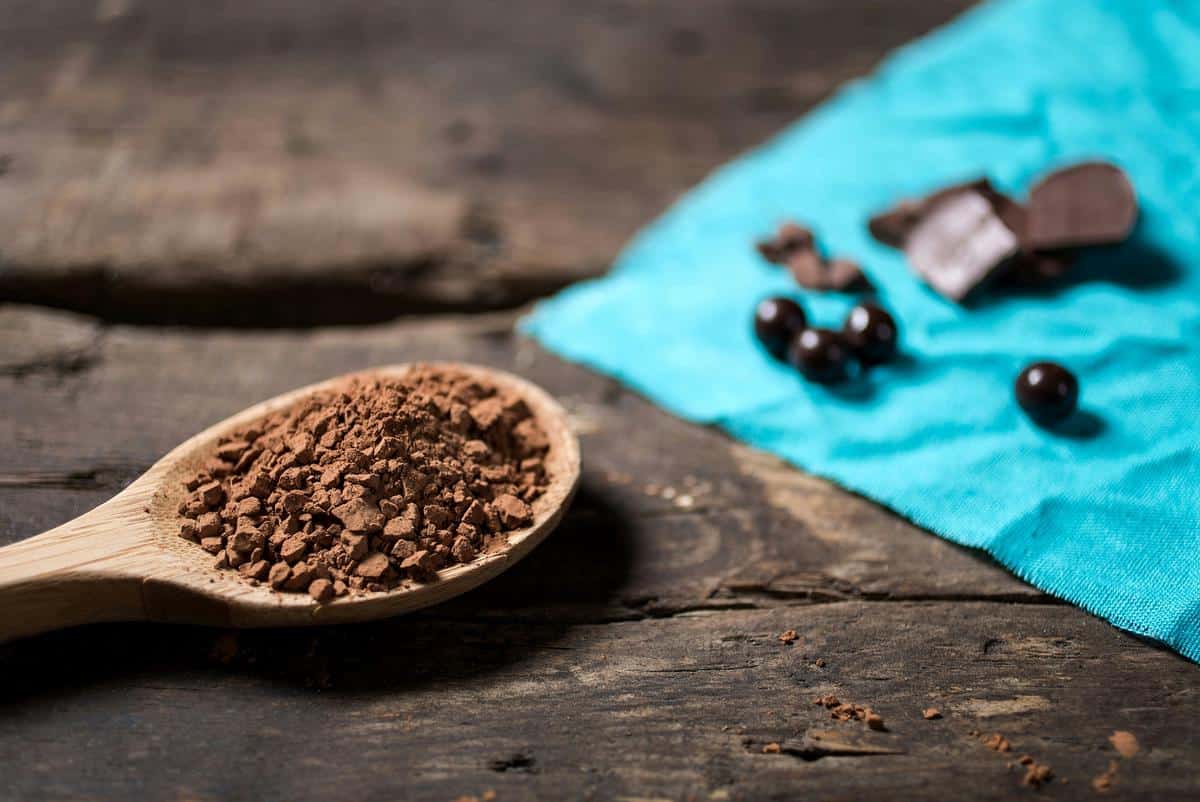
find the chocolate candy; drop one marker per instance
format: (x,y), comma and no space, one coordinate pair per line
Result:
(1047,392)
(820,355)
(776,322)
(1087,204)
(960,243)
(871,333)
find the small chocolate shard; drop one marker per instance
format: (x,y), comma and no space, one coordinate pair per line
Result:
(790,239)
(1086,204)
(960,243)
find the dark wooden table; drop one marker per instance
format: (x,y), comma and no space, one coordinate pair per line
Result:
(236,198)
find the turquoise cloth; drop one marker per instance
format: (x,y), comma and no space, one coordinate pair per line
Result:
(1104,514)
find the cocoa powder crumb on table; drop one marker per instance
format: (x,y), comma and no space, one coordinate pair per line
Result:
(369,484)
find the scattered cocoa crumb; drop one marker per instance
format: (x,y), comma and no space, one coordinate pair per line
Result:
(366,485)
(1025,760)
(1105,780)
(1124,742)
(845,711)
(789,636)
(820,662)
(931,713)
(1038,775)
(997,742)
(771,749)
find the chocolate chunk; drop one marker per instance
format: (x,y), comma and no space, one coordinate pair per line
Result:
(209,525)
(211,494)
(462,549)
(255,570)
(406,526)
(293,549)
(512,511)
(374,567)
(302,574)
(893,226)
(960,243)
(789,240)
(795,247)
(355,545)
(279,574)
(1086,204)
(321,590)
(358,515)
(249,506)
(419,565)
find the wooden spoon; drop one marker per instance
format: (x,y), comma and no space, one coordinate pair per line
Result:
(125,561)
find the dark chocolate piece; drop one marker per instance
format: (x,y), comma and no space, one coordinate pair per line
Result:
(871,333)
(960,243)
(1086,204)
(776,322)
(1047,392)
(892,226)
(790,239)
(845,275)
(795,247)
(820,355)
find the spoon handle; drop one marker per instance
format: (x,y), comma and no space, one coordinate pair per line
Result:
(62,578)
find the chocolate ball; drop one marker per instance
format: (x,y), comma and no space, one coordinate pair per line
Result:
(1047,392)
(871,333)
(776,322)
(820,355)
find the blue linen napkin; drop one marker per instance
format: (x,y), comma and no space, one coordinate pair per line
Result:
(1105,514)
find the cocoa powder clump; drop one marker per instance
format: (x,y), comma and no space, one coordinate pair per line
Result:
(369,484)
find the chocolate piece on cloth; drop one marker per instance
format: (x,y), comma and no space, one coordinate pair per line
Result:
(893,225)
(795,247)
(1083,205)
(960,242)
(789,240)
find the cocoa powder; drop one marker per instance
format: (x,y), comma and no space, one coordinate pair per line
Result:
(368,484)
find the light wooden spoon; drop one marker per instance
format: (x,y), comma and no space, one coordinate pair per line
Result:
(125,561)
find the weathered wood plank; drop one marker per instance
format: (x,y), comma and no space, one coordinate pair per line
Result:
(234,165)
(452,703)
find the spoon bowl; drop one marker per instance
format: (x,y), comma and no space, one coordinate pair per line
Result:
(125,561)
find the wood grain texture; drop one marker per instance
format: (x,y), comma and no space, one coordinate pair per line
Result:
(232,164)
(634,654)
(125,561)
